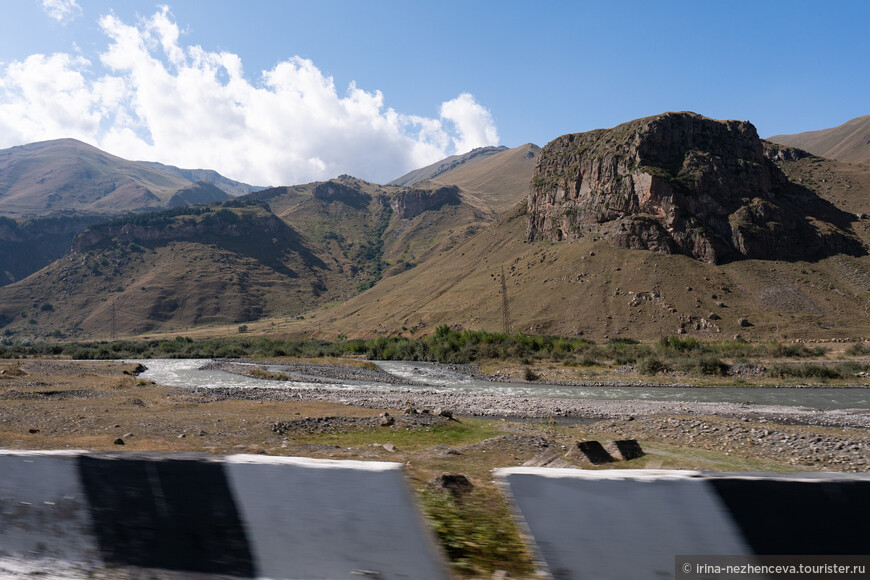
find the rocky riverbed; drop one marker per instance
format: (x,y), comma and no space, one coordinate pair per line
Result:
(307,372)
(88,404)
(485,405)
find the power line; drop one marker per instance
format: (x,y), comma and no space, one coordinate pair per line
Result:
(505,310)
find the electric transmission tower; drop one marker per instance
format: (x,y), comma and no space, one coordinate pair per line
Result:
(114,332)
(505,310)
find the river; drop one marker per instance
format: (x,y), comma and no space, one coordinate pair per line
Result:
(439,378)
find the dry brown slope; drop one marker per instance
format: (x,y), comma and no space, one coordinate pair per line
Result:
(849,142)
(62,175)
(845,185)
(447,164)
(500,181)
(65,175)
(590,288)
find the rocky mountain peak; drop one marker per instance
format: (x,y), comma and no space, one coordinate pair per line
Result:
(680,183)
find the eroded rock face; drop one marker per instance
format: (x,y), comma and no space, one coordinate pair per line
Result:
(410,203)
(680,183)
(334,191)
(221,223)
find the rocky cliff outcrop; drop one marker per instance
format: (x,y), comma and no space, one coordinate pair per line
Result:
(680,183)
(199,224)
(410,203)
(335,191)
(777,152)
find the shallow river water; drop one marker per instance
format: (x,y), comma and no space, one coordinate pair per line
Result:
(438,378)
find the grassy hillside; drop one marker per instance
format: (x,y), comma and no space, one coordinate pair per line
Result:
(175,269)
(230,186)
(363,235)
(238,262)
(54,189)
(845,185)
(199,193)
(67,175)
(849,142)
(497,177)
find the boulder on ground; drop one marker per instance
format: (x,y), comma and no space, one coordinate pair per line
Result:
(457,484)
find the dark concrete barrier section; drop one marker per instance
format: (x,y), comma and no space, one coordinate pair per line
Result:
(73,514)
(590,451)
(166,513)
(820,514)
(615,524)
(625,449)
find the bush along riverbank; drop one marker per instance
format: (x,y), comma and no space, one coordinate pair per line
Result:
(670,354)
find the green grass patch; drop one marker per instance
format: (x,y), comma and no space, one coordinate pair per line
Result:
(461,432)
(694,457)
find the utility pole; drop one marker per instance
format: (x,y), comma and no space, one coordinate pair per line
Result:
(114,334)
(505,311)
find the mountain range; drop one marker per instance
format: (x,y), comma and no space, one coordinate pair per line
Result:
(51,190)
(671,224)
(276,252)
(647,174)
(66,176)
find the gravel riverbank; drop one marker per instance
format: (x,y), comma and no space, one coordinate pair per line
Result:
(480,405)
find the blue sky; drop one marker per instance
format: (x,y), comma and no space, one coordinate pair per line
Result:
(429,79)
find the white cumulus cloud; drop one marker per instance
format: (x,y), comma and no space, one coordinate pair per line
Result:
(474,124)
(61,10)
(157,99)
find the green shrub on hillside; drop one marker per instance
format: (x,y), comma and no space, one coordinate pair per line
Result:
(858,349)
(675,343)
(805,371)
(651,365)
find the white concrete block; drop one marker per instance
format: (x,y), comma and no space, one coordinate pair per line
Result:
(310,518)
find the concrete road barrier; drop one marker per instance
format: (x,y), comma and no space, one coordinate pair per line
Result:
(45,519)
(74,514)
(615,524)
